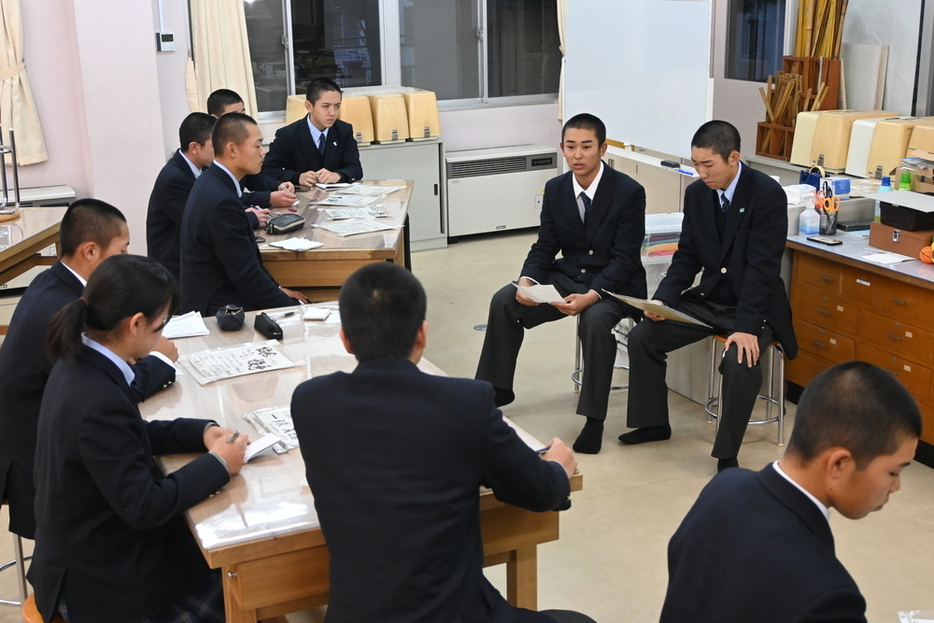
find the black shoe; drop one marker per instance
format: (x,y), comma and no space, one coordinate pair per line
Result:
(723,464)
(591,438)
(648,433)
(502,397)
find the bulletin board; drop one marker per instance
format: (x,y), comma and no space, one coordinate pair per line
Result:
(643,66)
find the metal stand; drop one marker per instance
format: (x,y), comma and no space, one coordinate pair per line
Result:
(7,206)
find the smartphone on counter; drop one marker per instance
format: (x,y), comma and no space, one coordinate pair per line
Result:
(825,240)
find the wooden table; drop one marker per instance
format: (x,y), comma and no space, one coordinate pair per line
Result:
(321,272)
(22,239)
(262,530)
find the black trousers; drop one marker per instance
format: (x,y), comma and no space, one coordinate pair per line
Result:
(649,345)
(508,320)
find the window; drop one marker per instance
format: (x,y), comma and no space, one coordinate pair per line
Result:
(755,36)
(464,50)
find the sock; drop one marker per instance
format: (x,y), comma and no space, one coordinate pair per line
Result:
(723,464)
(591,438)
(648,433)
(502,397)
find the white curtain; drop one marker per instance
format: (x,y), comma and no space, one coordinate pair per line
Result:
(17,108)
(221,53)
(562,33)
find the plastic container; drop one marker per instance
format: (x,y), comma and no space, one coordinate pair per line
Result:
(809,222)
(885,186)
(905,181)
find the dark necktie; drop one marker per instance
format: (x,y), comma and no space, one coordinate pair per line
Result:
(322,140)
(724,203)
(587,202)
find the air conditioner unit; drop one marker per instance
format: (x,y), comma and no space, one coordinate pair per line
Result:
(497,189)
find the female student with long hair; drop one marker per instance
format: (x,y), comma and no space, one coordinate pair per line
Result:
(111,542)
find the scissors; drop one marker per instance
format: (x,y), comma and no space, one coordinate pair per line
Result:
(826,201)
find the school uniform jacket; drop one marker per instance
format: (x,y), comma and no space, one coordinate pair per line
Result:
(24,372)
(755,548)
(111,539)
(221,263)
(294,152)
(748,258)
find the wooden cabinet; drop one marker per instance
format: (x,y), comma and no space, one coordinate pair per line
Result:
(846,310)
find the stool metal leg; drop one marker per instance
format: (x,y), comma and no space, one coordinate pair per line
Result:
(576,375)
(19,563)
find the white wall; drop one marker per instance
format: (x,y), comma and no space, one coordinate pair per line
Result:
(501,127)
(171,68)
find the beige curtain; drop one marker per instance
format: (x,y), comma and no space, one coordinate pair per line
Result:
(221,53)
(562,33)
(17,108)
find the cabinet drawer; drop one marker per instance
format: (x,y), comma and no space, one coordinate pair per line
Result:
(927,422)
(818,273)
(916,378)
(802,369)
(911,303)
(823,343)
(824,310)
(897,337)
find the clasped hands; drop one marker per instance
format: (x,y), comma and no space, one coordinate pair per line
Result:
(322,176)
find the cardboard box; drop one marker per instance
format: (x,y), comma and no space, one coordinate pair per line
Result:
(889,145)
(355,110)
(899,241)
(922,138)
(804,138)
(832,136)
(922,178)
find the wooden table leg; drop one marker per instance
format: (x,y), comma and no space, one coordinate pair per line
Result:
(232,608)
(522,578)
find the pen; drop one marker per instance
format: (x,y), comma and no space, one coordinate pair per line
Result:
(278,315)
(684,172)
(543,450)
(233,437)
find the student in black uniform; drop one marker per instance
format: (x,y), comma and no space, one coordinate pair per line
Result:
(111,542)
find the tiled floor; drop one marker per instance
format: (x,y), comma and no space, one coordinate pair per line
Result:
(610,561)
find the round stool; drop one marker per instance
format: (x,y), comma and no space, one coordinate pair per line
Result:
(621,331)
(19,563)
(775,387)
(31,613)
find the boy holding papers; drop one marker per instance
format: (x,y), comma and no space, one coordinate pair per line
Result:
(595,217)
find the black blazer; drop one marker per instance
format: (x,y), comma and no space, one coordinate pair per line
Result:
(24,372)
(221,263)
(604,255)
(111,538)
(755,548)
(395,458)
(294,152)
(166,207)
(748,258)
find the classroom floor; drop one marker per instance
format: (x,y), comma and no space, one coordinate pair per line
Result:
(611,559)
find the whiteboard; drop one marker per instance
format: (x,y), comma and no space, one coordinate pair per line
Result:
(642,66)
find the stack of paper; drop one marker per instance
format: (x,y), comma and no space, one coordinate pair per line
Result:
(297,244)
(187,325)
(351,227)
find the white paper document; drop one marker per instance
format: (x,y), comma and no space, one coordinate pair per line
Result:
(887,258)
(333,186)
(297,244)
(276,421)
(344,213)
(658,309)
(265,442)
(370,189)
(357,226)
(208,366)
(186,325)
(347,199)
(540,293)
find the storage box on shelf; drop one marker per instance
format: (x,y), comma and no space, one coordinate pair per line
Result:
(844,312)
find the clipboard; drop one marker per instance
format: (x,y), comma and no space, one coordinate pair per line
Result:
(659,309)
